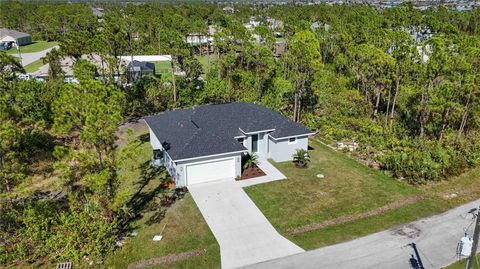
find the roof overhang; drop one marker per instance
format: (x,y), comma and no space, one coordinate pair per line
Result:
(291,136)
(256,132)
(208,156)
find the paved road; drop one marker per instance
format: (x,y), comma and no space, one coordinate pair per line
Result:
(245,236)
(28,58)
(436,239)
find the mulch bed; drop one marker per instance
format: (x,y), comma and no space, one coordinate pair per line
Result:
(349,218)
(251,173)
(166,259)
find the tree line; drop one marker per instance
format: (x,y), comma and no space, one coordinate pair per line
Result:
(400,82)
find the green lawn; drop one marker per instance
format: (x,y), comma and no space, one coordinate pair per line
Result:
(162,67)
(349,188)
(186,229)
(462,264)
(32,67)
(36,46)
(206,61)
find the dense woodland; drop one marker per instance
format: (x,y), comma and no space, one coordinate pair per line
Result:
(411,104)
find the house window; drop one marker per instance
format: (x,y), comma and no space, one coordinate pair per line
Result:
(292,140)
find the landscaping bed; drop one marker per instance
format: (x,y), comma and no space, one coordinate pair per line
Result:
(252,172)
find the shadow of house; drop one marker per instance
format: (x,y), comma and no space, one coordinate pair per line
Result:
(137,69)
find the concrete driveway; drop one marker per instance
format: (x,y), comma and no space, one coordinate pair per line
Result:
(28,58)
(436,239)
(244,234)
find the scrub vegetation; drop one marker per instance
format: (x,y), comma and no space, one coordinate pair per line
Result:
(402,83)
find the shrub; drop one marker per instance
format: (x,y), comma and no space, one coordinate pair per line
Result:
(250,160)
(301,158)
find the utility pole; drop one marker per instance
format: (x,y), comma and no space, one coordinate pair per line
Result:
(471,260)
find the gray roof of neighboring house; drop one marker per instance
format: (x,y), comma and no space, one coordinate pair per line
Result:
(211,129)
(9,32)
(140,66)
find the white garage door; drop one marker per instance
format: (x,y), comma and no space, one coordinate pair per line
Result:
(210,171)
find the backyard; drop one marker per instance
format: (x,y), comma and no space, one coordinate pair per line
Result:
(351,201)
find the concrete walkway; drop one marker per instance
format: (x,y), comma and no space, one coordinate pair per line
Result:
(272,174)
(244,234)
(436,239)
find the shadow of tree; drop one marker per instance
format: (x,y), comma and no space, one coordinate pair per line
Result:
(144,137)
(139,202)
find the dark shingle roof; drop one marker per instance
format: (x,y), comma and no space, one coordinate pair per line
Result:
(140,66)
(12,33)
(210,129)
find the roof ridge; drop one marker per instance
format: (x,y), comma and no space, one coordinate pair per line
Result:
(189,141)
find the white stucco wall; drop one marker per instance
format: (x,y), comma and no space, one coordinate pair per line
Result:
(8,39)
(281,150)
(166,161)
(154,141)
(262,145)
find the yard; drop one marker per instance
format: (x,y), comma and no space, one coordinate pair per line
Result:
(206,61)
(461,265)
(32,67)
(187,241)
(162,67)
(351,201)
(36,46)
(186,233)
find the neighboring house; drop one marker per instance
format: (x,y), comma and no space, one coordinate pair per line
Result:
(316,25)
(206,143)
(196,39)
(16,37)
(66,64)
(274,24)
(279,49)
(228,10)
(137,69)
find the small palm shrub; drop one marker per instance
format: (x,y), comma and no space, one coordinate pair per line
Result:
(250,160)
(301,158)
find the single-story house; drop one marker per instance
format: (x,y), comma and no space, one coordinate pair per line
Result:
(228,10)
(16,37)
(207,142)
(137,69)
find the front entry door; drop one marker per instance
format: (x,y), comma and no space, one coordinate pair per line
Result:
(255,143)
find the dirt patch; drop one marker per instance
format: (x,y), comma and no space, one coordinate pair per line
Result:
(410,231)
(350,218)
(166,259)
(252,172)
(135,125)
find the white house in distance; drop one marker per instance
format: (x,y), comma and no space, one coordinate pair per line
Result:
(14,37)
(206,143)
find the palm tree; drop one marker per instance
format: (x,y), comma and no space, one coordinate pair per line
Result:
(250,160)
(301,158)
